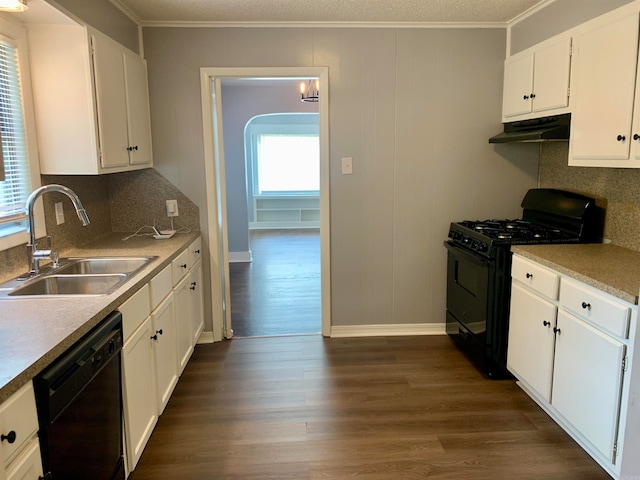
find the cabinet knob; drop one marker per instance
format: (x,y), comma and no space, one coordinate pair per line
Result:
(159,332)
(586,306)
(10,437)
(636,136)
(197,251)
(132,148)
(556,330)
(533,95)
(184,265)
(526,97)
(546,324)
(193,286)
(529,275)
(621,138)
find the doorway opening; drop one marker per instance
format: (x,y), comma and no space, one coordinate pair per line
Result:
(219,229)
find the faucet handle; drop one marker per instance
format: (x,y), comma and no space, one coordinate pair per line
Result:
(55,258)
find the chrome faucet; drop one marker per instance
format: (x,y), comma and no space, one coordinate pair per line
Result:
(35,255)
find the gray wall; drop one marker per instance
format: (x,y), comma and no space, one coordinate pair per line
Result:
(557,17)
(106,17)
(239,105)
(413,107)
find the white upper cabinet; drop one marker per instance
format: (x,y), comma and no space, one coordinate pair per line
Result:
(602,123)
(91,102)
(537,82)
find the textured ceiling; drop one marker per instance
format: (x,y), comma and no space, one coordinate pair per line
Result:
(328,11)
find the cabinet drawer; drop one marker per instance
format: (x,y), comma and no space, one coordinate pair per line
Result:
(28,466)
(18,414)
(180,266)
(134,311)
(609,314)
(195,251)
(160,286)
(535,277)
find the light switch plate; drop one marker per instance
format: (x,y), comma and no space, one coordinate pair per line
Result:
(347,165)
(172,208)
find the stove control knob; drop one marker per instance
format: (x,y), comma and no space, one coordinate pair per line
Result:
(482,247)
(466,240)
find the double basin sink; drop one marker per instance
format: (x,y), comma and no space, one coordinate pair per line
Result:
(77,276)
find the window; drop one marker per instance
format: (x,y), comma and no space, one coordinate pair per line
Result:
(21,172)
(287,164)
(15,187)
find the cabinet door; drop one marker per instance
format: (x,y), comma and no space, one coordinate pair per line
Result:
(531,340)
(183,323)
(604,88)
(196,309)
(587,381)
(164,350)
(111,102)
(518,86)
(28,466)
(139,387)
(552,67)
(138,111)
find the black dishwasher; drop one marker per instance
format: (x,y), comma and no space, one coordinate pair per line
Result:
(80,408)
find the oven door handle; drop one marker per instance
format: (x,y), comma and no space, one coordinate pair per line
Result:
(469,256)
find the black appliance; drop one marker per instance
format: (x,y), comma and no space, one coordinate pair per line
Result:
(544,129)
(79,406)
(479,268)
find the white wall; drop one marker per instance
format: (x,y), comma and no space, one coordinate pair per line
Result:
(413,107)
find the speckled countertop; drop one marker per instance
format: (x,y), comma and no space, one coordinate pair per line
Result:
(34,332)
(612,269)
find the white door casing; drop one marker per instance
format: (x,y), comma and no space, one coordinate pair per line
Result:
(216,242)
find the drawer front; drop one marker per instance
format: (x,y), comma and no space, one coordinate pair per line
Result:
(195,251)
(134,311)
(18,414)
(160,286)
(607,313)
(535,277)
(180,266)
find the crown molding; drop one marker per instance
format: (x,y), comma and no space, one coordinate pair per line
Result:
(449,25)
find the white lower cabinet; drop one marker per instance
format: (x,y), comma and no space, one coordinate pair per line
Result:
(531,339)
(183,322)
(19,447)
(572,352)
(161,324)
(587,381)
(164,350)
(139,387)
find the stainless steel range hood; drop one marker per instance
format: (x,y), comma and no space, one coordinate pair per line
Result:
(545,129)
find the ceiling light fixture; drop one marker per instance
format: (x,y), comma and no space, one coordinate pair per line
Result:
(310,91)
(13,5)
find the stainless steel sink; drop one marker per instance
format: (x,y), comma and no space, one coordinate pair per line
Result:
(102,265)
(77,276)
(70,285)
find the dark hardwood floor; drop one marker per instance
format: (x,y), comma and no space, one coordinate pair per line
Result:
(384,408)
(279,292)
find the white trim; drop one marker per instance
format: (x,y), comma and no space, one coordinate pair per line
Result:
(126,10)
(207,74)
(205,337)
(240,257)
(388,330)
(531,11)
(283,225)
(436,25)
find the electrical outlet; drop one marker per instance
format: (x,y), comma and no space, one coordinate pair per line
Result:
(59,213)
(172,208)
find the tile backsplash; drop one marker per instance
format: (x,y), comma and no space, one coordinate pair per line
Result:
(616,190)
(117,202)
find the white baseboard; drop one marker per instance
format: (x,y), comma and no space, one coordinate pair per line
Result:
(389,330)
(205,337)
(240,257)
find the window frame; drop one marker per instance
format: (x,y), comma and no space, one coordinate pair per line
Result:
(14,234)
(278,129)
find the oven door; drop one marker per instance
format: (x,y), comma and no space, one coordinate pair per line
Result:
(468,283)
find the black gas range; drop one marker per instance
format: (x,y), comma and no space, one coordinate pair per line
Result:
(479,268)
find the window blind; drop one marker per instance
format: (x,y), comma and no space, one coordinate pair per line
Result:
(16,185)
